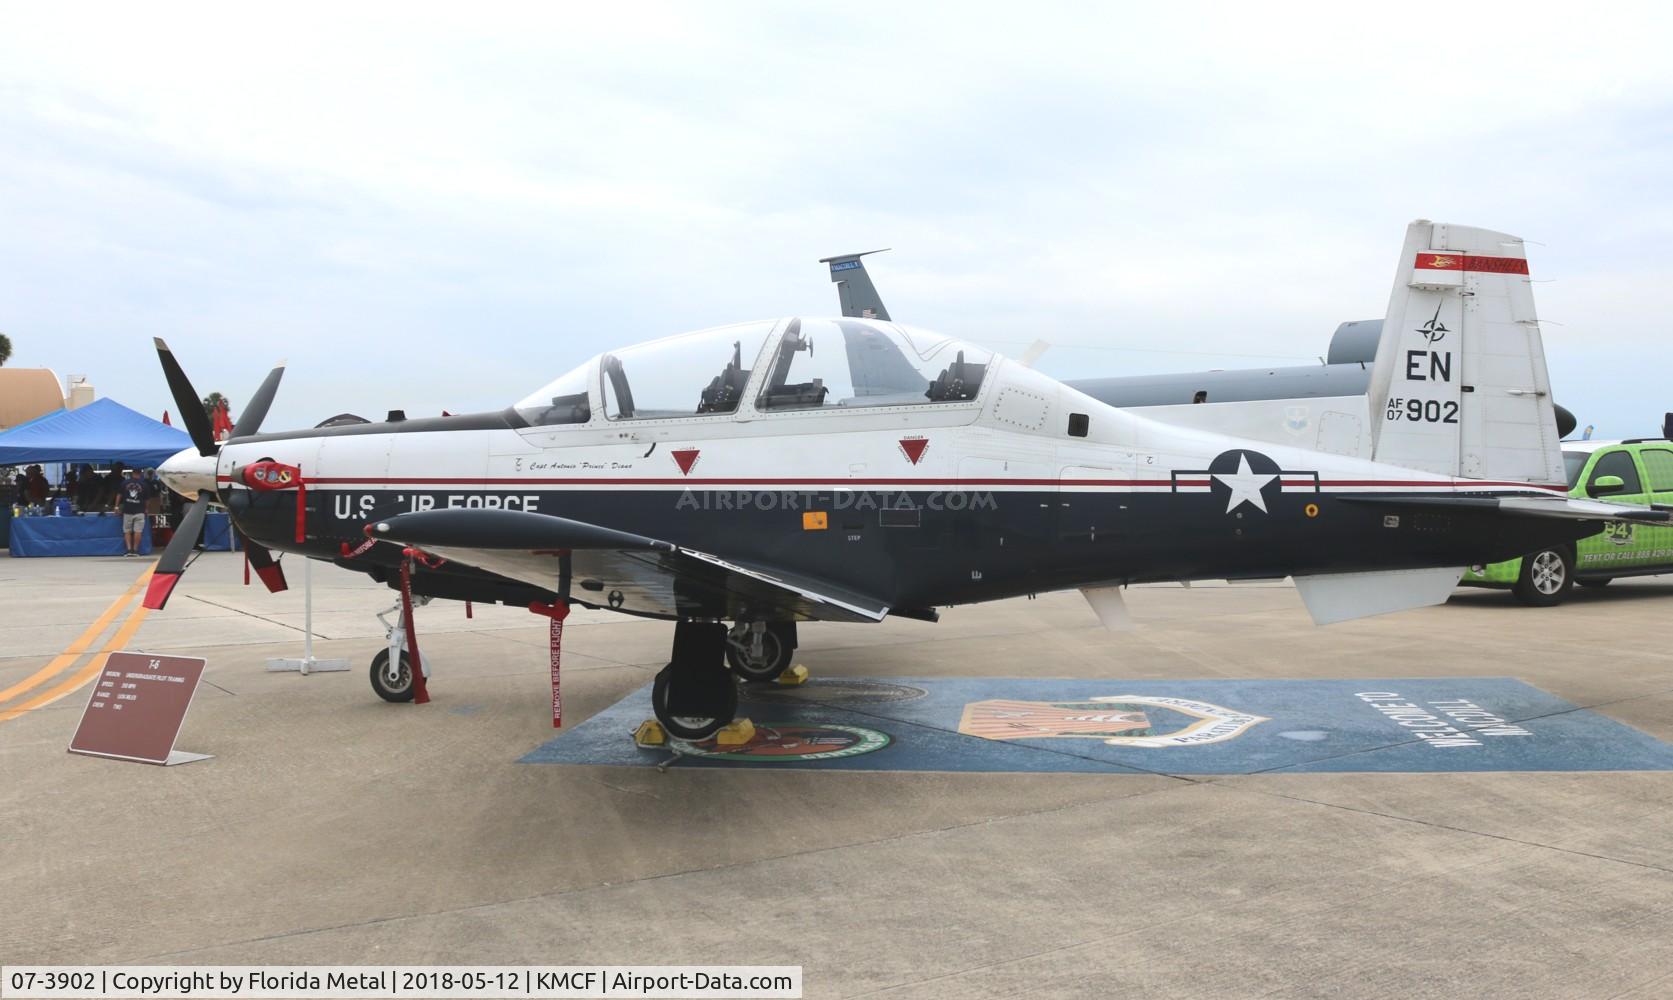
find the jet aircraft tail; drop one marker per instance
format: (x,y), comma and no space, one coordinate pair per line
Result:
(1459,386)
(855,291)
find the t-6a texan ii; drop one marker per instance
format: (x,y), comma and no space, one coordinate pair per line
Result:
(848,469)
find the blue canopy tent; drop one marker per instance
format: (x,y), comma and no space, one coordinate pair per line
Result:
(103,430)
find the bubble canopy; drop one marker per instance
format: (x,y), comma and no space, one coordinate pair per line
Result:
(810,364)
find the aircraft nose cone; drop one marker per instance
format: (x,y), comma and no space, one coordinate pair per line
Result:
(188,473)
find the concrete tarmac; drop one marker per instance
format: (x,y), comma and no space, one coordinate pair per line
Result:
(332,828)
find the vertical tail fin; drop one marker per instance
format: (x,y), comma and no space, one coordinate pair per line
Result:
(855,291)
(1460,386)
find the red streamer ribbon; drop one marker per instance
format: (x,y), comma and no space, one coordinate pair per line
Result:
(421,694)
(557,612)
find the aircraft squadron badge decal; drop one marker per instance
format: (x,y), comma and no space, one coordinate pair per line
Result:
(1119,720)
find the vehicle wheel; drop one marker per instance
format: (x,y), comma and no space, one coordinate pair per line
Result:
(401,688)
(1596,581)
(687,727)
(1547,577)
(777,650)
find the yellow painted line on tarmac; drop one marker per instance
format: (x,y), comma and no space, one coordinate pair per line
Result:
(124,632)
(73,651)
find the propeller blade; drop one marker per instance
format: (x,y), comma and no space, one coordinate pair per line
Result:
(261,560)
(255,411)
(187,399)
(173,562)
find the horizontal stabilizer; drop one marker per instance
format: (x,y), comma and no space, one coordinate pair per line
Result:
(1566,508)
(1339,597)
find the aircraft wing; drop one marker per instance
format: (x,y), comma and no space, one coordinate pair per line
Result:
(1568,508)
(622,570)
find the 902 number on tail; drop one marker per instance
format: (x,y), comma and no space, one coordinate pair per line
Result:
(1432,411)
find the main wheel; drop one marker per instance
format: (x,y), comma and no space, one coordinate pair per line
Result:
(1596,581)
(401,688)
(1547,577)
(687,727)
(777,649)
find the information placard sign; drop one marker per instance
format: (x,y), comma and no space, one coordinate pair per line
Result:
(137,707)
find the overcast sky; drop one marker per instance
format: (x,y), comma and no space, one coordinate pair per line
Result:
(443,207)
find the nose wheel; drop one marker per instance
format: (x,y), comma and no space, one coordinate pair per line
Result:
(395,684)
(694,696)
(397,688)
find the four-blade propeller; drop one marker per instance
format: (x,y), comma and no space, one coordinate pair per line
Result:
(187,474)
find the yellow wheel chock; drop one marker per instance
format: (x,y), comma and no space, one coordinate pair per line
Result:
(735,734)
(650,734)
(794,677)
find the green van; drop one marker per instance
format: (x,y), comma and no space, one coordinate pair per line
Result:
(1638,471)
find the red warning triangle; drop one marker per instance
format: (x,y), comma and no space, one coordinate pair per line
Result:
(687,458)
(914,448)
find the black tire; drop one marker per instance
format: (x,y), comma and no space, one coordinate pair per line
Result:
(686,727)
(778,648)
(402,689)
(1595,581)
(1546,579)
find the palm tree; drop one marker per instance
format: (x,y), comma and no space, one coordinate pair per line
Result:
(5,348)
(211,403)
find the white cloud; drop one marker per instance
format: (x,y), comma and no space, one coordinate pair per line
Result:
(441,206)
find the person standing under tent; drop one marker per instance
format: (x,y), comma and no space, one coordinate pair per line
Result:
(87,489)
(132,494)
(38,486)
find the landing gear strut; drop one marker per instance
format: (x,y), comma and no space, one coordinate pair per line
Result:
(395,684)
(759,652)
(694,696)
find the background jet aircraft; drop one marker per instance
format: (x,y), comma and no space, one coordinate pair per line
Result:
(849,469)
(1284,398)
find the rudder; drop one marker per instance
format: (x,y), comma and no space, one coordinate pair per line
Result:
(1460,386)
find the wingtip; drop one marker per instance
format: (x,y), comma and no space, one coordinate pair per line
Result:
(158,341)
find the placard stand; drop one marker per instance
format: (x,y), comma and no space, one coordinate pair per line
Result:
(136,708)
(308,664)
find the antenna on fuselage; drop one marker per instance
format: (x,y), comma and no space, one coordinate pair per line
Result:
(855,291)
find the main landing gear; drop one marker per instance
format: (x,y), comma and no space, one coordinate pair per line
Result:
(760,651)
(395,684)
(695,696)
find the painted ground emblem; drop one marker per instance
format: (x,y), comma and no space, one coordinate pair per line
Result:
(824,741)
(1118,720)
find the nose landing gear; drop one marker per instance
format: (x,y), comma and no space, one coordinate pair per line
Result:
(395,684)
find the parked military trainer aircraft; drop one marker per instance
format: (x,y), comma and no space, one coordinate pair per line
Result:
(849,469)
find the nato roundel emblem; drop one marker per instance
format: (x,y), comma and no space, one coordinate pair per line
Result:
(789,743)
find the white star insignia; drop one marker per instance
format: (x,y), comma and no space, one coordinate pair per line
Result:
(1245,485)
